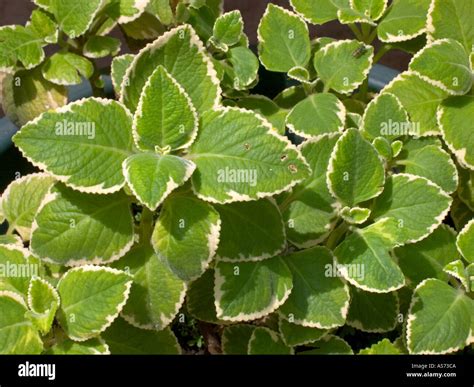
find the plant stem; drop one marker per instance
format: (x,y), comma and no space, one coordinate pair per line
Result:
(308,89)
(366,32)
(11,228)
(97,91)
(336,235)
(383,50)
(356,32)
(146,225)
(364,89)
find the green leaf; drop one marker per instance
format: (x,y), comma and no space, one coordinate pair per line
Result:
(230,163)
(343,65)
(267,342)
(319,298)
(82,144)
(89,347)
(283,40)
(152,177)
(73,17)
(18,336)
(451,19)
(434,163)
(318,11)
(91,299)
(17,267)
(363,259)
(165,115)
(294,334)
(200,299)
(26,94)
(183,55)
(289,97)
(266,108)
(235,339)
(66,68)
(373,312)
(156,295)
(67,217)
(383,147)
(405,20)
(465,241)
(146,27)
(162,9)
(43,301)
(355,215)
(371,8)
(427,258)
(246,291)
(461,214)
(329,345)
(21,200)
(385,117)
(186,235)
(440,319)
(301,74)
(244,69)
(420,99)
(396,146)
(383,347)
(454,117)
(119,67)
(125,339)
(316,115)
(310,211)
(414,203)
(351,16)
(14,240)
(101,46)
(44,4)
(42,24)
(355,173)
(445,63)
(466,187)
(126,11)
(251,231)
(229,28)
(457,270)
(18,43)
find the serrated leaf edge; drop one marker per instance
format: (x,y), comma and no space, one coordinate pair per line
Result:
(110,318)
(97,189)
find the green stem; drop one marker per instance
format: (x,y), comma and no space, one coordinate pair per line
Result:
(366,32)
(364,90)
(383,50)
(11,228)
(308,89)
(372,36)
(337,235)
(356,31)
(97,91)
(146,225)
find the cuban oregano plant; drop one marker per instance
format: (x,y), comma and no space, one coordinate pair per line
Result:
(184,207)
(77,37)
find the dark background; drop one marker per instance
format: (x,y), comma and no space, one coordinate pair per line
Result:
(18,12)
